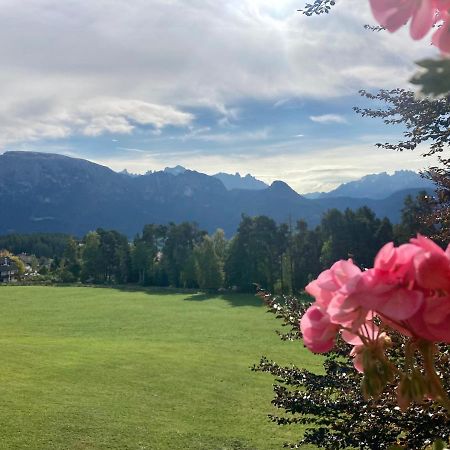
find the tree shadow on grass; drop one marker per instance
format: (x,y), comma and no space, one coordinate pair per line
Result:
(151,290)
(191,295)
(233,299)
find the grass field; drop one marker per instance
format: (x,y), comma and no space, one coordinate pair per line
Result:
(98,368)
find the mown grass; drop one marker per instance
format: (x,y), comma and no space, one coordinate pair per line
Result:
(98,368)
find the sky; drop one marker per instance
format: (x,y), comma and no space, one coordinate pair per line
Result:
(249,86)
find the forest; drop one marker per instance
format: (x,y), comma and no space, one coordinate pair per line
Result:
(281,258)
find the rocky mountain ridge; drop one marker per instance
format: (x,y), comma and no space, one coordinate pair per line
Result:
(54,193)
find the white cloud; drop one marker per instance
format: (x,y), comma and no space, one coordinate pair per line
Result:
(151,59)
(88,118)
(205,135)
(329,118)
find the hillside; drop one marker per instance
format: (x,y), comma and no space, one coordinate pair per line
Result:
(53,193)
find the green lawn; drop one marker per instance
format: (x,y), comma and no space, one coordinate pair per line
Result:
(98,368)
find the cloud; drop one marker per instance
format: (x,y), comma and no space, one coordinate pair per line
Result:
(305,171)
(329,118)
(205,135)
(99,67)
(92,118)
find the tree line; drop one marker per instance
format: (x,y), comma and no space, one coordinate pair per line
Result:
(42,245)
(281,258)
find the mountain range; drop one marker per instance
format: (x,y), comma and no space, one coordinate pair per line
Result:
(374,186)
(377,186)
(49,193)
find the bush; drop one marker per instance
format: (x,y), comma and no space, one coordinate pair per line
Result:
(331,405)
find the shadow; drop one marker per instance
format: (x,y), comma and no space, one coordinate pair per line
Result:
(151,290)
(234,299)
(192,295)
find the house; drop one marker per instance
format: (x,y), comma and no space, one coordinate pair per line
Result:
(8,270)
(26,258)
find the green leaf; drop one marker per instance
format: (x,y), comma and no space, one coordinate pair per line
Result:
(396,447)
(434,77)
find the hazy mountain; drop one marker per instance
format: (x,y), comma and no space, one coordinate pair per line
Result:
(128,174)
(230,181)
(377,186)
(236,181)
(175,170)
(48,192)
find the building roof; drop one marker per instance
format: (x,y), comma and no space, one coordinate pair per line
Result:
(7,269)
(6,265)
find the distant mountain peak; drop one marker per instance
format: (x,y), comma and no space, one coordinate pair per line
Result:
(55,193)
(278,184)
(128,174)
(280,187)
(237,181)
(377,186)
(175,170)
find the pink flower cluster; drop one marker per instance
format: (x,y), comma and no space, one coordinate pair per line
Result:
(408,289)
(424,14)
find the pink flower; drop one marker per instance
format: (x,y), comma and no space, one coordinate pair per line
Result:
(348,311)
(442,5)
(408,289)
(343,275)
(388,294)
(433,271)
(357,353)
(318,332)
(432,265)
(393,14)
(396,263)
(432,322)
(332,288)
(441,38)
(368,334)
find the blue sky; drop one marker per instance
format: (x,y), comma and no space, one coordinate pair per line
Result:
(239,85)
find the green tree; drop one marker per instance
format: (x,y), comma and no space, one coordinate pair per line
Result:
(114,258)
(142,259)
(255,253)
(336,237)
(220,244)
(47,245)
(208,265)
(177,253)
(353,234)
(414,218)
(90,268)
(306,253)
(70,266)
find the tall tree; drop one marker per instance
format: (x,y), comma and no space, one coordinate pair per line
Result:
(415,218)
(208,266)
(90,255)
(306,249)
(70,266)
(177,253)
(255,253)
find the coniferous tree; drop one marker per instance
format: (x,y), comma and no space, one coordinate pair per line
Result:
(90,269)
(177,253)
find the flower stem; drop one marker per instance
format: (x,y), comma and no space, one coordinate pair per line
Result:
(437,392)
